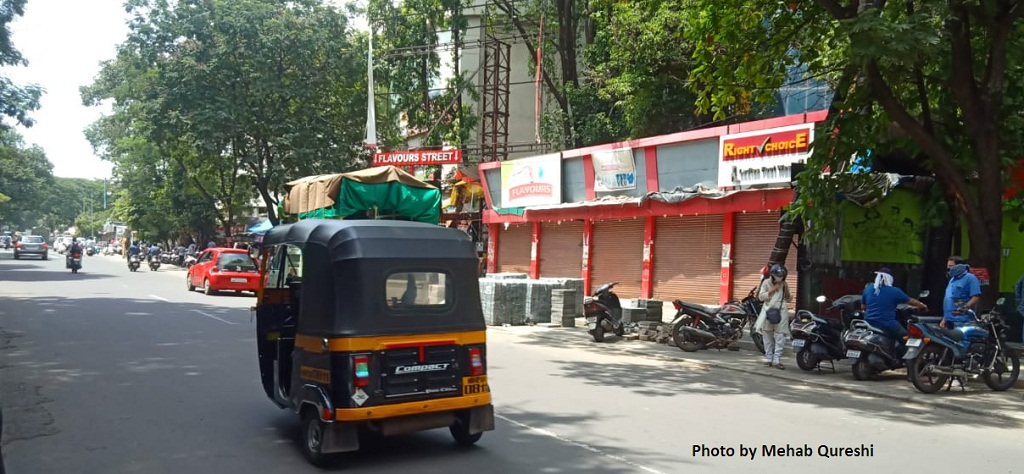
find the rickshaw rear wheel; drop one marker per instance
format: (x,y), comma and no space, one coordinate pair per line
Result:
(312,436)
(460,431)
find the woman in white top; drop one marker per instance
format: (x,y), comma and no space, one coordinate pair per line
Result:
(776,295)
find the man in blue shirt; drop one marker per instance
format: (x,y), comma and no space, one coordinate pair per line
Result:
(880,301)
(962,293)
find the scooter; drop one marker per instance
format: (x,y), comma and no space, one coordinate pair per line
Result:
(936,355)
(154,263)
(871,351)
(133,263)
(817,339)
(603,312)
(75,262)
(190,260)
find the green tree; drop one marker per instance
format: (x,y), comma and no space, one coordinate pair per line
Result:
(25,176)
(15,101)
(940,80)
(407,61)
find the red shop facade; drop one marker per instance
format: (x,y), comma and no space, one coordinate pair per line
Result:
(621,212)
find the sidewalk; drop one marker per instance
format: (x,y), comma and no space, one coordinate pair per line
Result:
(976,399)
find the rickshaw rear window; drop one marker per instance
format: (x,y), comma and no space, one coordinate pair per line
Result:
(417,290)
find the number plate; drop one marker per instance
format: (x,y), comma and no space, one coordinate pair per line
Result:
(913,343)
(799,342)
(475,385)
(239,280)
(853,354)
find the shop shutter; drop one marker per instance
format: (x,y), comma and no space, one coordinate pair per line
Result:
(752,247)
(514,248)
(561,249)
(617,249)
(688,259)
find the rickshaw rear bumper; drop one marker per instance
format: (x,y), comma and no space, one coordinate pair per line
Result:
(342,435)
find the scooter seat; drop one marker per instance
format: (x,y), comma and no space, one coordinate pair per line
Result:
(866,325)
(698,309)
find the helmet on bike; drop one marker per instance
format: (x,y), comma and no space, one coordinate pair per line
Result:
(779,271)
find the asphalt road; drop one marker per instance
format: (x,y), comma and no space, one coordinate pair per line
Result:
(115,372)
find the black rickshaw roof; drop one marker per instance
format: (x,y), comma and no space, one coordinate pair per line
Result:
(354,239)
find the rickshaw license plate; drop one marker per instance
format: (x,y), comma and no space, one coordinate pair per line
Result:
(475,385)
(853,354)
(913,342)
(799,342)
(239,280)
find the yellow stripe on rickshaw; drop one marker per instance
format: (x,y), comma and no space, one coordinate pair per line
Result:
(315,344)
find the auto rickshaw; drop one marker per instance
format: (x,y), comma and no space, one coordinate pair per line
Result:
(372,327)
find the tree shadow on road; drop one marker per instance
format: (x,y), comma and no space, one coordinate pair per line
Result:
(674,376)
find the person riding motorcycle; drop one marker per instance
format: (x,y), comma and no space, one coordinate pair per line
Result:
(879,303)
(133,250)
(154,252)
(74,248)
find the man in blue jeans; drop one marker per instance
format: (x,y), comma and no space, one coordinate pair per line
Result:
(880,301)
(962,293)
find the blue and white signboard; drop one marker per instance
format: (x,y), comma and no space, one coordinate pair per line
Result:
(614,170)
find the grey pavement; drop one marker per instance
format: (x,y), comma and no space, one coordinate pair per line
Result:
(976,398)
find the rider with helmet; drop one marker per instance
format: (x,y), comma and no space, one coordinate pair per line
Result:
(773,322)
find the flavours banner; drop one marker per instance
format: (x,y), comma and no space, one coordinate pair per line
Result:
(535,181)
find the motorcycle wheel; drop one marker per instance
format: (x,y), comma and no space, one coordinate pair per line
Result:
(758,339)
(862,370)
(598,333)
(620,331)
(1008,365)
(932,354)
(684,340)
(806,360)
(74,270)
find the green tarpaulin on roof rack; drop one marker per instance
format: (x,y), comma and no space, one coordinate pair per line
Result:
(387,191)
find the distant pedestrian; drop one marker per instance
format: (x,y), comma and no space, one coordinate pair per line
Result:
(211,244)
(773,322)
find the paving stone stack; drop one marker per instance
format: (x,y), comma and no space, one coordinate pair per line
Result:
(634,315)
(538,301)
(653,307)
(507,276)
(563,307)
(503,301)
(575,284)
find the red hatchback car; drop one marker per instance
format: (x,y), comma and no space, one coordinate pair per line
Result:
(223,269)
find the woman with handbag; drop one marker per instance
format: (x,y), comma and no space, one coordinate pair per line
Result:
(773,322)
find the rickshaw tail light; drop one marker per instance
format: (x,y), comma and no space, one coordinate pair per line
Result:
(361,369)
(327,413)
(476,362)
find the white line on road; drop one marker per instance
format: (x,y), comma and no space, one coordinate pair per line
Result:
(578,444)
(161,298)
(208,315)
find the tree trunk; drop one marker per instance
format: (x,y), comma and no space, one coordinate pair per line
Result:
(262,185)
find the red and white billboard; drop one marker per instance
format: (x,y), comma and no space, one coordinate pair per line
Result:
(763,156)
(418,158)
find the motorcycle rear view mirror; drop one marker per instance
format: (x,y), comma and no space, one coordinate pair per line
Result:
(924,294)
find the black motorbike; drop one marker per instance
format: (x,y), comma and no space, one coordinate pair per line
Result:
(603,312)
(936,355)
(133,263)
(75,261)
(817,339)
(871,351)
(696,327)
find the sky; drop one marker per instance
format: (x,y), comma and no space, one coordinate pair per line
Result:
(65,41)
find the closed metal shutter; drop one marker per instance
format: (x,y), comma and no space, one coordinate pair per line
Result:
(617,249)
(514,248)
(752,247)
(561,249)
(688,259)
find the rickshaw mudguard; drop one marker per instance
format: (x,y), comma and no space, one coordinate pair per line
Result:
(338,437)
(481,418)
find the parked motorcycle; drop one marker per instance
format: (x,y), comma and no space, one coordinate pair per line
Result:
(696,327)
(603,312)
(133,263)
(75,262)
(190,260)
(871,350)
(154,263)
(936,355)
(817,339)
